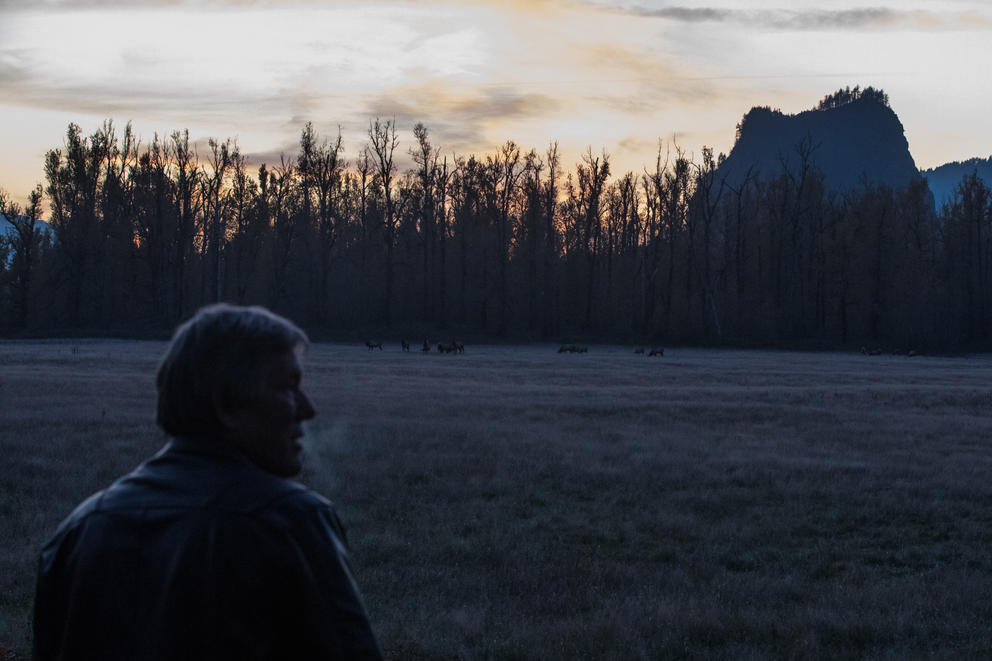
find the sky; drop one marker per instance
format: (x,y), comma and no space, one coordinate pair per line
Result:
(613,75)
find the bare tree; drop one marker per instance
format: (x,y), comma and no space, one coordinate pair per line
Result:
(320,166)
(549,196)
(244,200)
(154,224)
(116,210)
(675,220)
(25,243)
(425,156)
(736,225)
(188,203)
(365,186)
(505,169)
(282,208)
(214,228)
(708,194)
(74,177)
(592,174)
(443,179)
(383,141)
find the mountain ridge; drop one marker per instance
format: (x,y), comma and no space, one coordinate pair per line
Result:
(851,138)
(944,178)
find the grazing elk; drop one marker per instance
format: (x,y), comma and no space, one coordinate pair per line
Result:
(373,345)
(657,351)
(871,352)
(427,347)
(572,348)
(454,347)
(405,345)
(639,350)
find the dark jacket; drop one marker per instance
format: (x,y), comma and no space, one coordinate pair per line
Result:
(198,554)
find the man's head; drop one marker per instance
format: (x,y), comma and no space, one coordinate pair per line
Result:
(232,373)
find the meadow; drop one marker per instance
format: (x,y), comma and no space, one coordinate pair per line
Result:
(512,502)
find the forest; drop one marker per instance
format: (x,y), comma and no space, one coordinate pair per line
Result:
(513,245)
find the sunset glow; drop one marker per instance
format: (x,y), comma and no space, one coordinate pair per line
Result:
(607,74)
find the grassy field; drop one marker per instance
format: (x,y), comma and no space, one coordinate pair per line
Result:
(517,503)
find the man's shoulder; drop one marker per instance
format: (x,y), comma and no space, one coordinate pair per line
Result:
(80,513)
(296,505)
(172,482)
(270,496)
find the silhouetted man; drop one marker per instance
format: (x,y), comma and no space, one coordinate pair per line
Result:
(206,550)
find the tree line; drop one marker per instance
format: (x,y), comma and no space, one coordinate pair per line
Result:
(508,244)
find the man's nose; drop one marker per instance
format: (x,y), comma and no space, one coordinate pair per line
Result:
(304,407)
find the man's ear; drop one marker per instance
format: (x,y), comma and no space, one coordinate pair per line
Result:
(223,411)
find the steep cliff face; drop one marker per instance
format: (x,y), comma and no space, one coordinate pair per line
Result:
(862,140)
(945,178)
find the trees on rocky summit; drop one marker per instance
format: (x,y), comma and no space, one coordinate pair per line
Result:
(847,95)
(512,243)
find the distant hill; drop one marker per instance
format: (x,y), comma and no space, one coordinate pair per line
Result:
(7,231)
(853,136)
(944,178)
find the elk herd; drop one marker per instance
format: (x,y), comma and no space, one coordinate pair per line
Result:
(875,351)
(427,347)
(572,348)
(575,348)
(458,347)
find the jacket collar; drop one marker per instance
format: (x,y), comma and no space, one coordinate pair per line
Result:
(205,446)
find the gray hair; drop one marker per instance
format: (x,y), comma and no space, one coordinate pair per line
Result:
(222,353)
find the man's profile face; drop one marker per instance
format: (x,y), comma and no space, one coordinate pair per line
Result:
(267,430)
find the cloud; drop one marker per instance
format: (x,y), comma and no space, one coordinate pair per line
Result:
(637,145)
(14,71)
(642,78)
(459,117)
(870,18)
(530,6)
(687,14)
(272,157)
(111,99)
(37,5)
(975,20)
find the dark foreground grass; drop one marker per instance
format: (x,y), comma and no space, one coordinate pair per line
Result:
(516,503)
